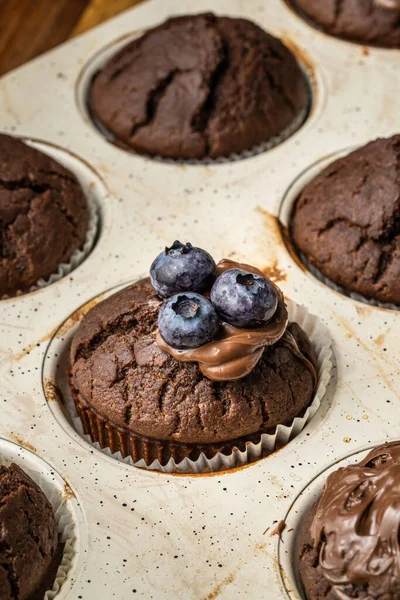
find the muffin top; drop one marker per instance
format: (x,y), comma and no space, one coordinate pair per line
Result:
(28,535)
(199,86)
(351,549)
(43,216)
(346,221)
(119,370)
(375,22)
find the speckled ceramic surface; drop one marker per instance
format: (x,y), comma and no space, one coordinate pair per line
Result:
(150,535)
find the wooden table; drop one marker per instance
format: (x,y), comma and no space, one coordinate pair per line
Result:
(30,27)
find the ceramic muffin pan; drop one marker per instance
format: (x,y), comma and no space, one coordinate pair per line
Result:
(145,534)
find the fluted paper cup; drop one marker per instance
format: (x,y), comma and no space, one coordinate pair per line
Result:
(43,475)
(124,445)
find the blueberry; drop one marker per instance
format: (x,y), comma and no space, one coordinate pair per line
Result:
(187,321)
(243,299)
(181,268)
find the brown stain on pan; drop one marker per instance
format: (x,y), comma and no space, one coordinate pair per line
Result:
(22,443)
(263,548)
(275,481)
(272,227)
(366,409)
(307,62)
(274,272)
(272,236)
(364,310)
(288,243)
(278,234)
(380,340)
(285,579)
(371,352)
(29,348)
(373,307)
(278,529)
(78,315)
(67,492)
(220,586)
(271,224)
(9,104)
(52,392)
(287,583)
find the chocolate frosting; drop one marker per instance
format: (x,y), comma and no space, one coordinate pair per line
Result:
(288,340)
(357,527)
(236,351)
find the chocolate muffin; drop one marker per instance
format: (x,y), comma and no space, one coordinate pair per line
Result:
(28,536)
(199,86)
(375,22)
(43,216)
(346,222)
(138,395)
(349,541)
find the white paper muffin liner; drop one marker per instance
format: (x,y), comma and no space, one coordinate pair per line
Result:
(321,342)
(62,514)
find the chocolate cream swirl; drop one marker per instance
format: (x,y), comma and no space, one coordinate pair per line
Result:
(236,351)
(388,4)
(357,524)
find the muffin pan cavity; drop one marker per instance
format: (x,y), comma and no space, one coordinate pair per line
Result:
(142,533)
(288,545)
(121,444)
(95,193)
(98,61)
(55,375)
(371,23)
(285,216)
(66,509)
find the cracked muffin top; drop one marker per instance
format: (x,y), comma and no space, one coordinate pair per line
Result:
(346,222)
(43,216)
(199,86)
(375,22)
(28,535)
(119,370)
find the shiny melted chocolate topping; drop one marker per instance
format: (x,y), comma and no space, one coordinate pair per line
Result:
(289,341)
(357,524)
(236,351)
(388,4)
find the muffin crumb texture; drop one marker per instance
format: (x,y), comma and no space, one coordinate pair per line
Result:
(28,536)
(199,86)
(362,21)
(346,222)
(43,216)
